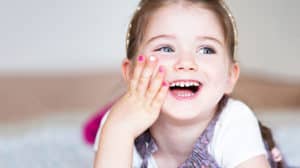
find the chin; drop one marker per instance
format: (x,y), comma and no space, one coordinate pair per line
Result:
(182,113)
(187,110)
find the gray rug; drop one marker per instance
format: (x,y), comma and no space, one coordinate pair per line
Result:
(56,142)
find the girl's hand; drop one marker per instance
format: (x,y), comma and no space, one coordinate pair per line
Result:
(140,106)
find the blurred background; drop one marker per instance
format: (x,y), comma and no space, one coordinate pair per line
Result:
(60,62)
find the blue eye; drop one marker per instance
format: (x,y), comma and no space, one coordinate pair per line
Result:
(207,50)
(165,49)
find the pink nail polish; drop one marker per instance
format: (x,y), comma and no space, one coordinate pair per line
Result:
(141,58)
(161,69)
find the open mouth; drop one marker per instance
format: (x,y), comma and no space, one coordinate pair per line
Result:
(185,89)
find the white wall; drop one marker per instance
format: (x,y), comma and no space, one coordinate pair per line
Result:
(269,36)
(62,35)
(65,35)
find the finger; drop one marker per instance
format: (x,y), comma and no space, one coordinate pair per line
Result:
(138,69)
(155,84)
(146,75)
(160,96)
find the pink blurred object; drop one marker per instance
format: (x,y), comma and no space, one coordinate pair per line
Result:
(90,128)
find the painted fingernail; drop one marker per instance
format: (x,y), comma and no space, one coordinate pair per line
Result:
(161,69)
(141,58)
(165,83)
(152,58)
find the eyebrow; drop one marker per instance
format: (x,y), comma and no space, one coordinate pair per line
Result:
(201,38)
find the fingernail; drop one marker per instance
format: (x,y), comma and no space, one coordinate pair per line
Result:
(141,58)
(152,58)
(161,69)
(165,83)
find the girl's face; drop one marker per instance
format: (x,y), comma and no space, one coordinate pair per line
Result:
(189,42)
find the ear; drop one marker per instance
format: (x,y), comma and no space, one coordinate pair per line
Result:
(126,69)
(234,73)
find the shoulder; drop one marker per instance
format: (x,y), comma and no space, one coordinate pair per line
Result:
(99,131)
(235,105)
(237,135)
(236,112)
(234,119)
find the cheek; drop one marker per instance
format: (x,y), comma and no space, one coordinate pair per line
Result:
(166,62)
(218,73)
(163,60)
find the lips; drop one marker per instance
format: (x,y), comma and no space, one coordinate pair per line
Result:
(185,89)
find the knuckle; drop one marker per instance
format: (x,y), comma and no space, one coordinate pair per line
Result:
(131,87)
(160,96)
(135,70)
(133,81)
(146,75)
(160,76)
(143,80)
(154,86)
(157,82)
(151,90)
(155,104)
(158,100)
(130,94)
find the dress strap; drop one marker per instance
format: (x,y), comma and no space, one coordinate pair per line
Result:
(199,158)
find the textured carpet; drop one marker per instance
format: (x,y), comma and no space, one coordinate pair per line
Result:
(56,141)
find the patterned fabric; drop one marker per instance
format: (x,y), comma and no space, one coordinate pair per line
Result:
(199,158)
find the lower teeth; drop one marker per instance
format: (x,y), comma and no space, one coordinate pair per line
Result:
(185,95)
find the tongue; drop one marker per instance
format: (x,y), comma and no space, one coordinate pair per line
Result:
(181,91)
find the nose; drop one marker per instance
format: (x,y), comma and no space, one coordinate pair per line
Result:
(186,64)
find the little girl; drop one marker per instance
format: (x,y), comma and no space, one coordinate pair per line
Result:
(180,70)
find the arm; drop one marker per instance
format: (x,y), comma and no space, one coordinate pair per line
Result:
(258,161)
(114,145)
(131,115)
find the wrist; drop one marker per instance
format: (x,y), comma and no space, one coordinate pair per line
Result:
(117,131)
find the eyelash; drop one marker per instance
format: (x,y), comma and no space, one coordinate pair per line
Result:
(209,50)
(159,49)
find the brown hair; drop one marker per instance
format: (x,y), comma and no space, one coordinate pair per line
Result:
(146,8)
(270,144)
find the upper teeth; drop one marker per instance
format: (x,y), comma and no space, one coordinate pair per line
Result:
(184,84)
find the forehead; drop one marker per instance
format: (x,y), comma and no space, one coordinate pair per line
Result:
(184,22)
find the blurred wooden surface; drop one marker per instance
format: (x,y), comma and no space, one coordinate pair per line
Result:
(26,97)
